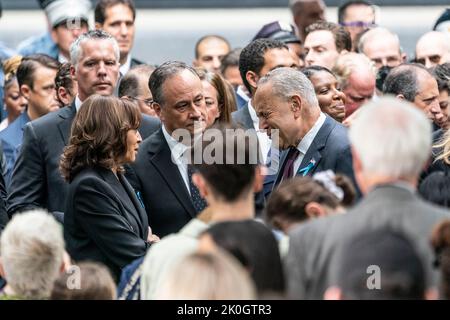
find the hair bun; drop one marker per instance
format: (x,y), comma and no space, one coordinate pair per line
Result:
(10,67)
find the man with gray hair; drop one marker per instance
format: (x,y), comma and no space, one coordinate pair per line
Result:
(36,180)
(391,141)
(32,249)
(414,83)
(312,141)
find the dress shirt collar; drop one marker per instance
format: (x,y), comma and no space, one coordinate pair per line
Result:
(308,139)
(126,66)
(177,149)
(253,115)
(78,103)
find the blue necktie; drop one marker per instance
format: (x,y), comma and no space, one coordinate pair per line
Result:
(198,202)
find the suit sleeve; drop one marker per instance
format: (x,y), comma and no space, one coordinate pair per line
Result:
(27,186)
(3,215)
(344,165)
(98,213)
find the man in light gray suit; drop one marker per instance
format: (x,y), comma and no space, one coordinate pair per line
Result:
(391,141)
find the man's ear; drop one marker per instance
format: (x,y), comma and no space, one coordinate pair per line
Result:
(200,183)
(54,35)
(98,26)
(403,57)
(333,293)
(157,108)
(400,96)
(25,91)
(195,63)
(296,105)
(73,72)
(252,79)
(315,210)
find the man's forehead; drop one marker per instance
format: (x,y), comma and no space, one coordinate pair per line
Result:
(319,38)
(96,47)
(183,82)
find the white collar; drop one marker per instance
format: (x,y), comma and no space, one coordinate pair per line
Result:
(308,139)
(177,149)
(78,103)
(252,112)
(126,66)
(240,92)
(62,59)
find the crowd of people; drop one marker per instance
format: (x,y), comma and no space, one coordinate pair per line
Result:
(313,163)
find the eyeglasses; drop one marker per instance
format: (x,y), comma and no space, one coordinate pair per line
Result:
(148,102)
(359,24)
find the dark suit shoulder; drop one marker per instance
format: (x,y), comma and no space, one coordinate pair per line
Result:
(149,125)
(52,118)
(136,62)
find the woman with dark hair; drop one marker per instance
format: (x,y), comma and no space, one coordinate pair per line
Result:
(219,97)
(440,240)
(104,220)
(331,98)
(254,246)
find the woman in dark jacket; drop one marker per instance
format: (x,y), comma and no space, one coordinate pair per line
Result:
(104,219)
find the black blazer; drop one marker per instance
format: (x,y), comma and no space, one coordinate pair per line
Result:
(166,198)
(330,150)
(104,220)
(36,180)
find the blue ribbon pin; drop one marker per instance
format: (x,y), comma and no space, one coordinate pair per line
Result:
(138,194)
(304,171)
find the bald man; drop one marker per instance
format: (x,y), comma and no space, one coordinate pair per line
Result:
(209,52)
(433,48)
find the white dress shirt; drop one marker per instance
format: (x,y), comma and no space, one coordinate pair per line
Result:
(307,140)
(78,103)
(177,150)
(264,141)
(123,69)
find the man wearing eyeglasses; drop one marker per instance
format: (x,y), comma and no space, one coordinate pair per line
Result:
(433,48)
(356,17)
(134,86)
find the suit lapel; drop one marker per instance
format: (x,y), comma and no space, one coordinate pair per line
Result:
(161,158)
(67,114)
(139,209)
(313,154)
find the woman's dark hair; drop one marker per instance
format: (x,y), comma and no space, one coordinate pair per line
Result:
(436,188)
(440,240)
(255,246)
(312,70)
(64,78)
(99,135)
(288,202)
(347,186)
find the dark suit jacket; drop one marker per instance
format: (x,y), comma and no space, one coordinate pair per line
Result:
(166,198)
(314,246)
(330,150)
(104,220)
(135,62)
(36,180)
(3,215)
(242,117)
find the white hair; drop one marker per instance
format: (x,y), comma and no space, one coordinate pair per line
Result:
(287,82)
(377,32)
(392,138)
(75,48)
(32,249)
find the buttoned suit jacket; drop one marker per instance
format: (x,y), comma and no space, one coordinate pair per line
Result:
(164,193)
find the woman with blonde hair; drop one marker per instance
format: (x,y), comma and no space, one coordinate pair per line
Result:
(206,276)
(219,97)
(13,102)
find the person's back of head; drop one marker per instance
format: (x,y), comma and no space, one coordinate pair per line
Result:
(297,200)
(440,240)
(229,163)
(216,276)
(381,264)
(436,188)
(66,87)
(402,130)
(32,249)
(85,281)
(255,246)
(353,63)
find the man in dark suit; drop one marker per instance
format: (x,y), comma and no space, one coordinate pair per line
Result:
(117,17)
(391,141)
(311,141)
(159,172)
(36,180)
(256,60)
